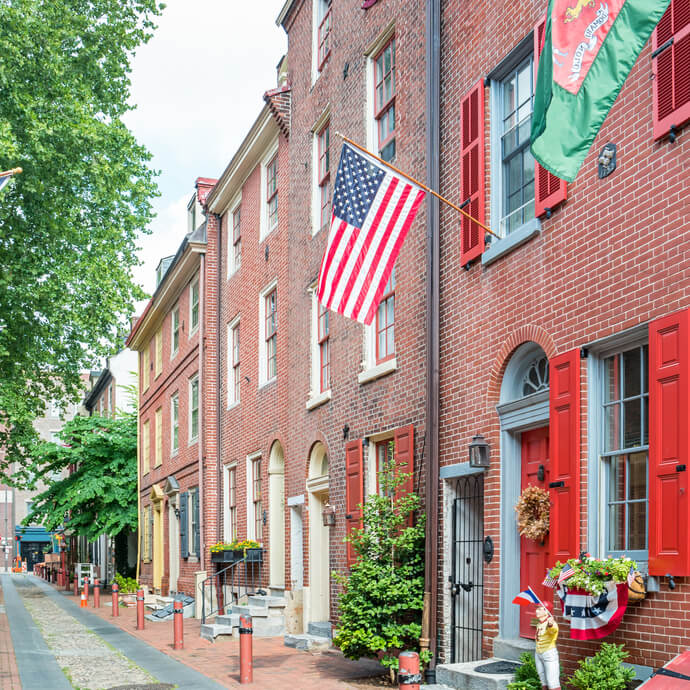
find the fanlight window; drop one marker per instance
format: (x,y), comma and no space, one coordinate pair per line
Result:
(536,378)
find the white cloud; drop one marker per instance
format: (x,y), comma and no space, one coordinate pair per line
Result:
(198,86)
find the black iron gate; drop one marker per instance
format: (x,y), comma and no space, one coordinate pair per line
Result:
(467,570)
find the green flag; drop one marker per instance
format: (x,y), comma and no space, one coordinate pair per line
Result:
(594,44)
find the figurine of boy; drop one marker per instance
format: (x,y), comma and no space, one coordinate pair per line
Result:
(546,654)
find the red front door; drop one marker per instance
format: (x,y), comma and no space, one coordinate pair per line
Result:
(534,555)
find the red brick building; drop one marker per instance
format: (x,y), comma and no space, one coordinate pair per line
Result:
(565,342)
(175,339)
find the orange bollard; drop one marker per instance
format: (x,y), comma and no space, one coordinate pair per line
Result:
(86,589)
(246,631)
(67,584)
(409,676)
(96,594)
(116,600)
(76,586)
(140,609)
(178,623)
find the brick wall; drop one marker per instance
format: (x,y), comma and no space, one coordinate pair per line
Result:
(613,257)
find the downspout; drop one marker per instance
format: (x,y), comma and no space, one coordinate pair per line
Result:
(219,466)
(138,476)
(433,72)
(202,335)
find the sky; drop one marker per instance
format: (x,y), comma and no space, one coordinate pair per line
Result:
(198,86)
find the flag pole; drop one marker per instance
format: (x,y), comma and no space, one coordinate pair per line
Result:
(14,171)
(418,183)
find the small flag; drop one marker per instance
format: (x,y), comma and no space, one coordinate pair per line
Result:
(526,598)
(373,209)
(549,581)
(4,179)
(566,572)
(593,47)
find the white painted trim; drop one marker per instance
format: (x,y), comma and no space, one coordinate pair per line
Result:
(264,230)
(251,527)
(231,402)
(262,378)
(230,210)
(296,500)
(193,282)
(191,440)
(318,400)
(375,372)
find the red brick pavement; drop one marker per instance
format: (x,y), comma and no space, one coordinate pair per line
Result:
(9,674)
(275,665)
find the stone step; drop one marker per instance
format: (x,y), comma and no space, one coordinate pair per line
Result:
(270,601)
(307,642)
(320,629)
(464,676)
(435,686)
(232,619)
(253,611)
(209,631)
(276,592)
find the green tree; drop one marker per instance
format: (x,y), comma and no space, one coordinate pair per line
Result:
(381,605)
(68,224)
(100,496)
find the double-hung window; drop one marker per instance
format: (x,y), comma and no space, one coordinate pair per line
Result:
(194,528)
(146,367)
(324,31)
(324,349)
(324,176)
(231,529)
(175,330)
(272,193)
(159,352)
(174,423)
(145,447)
(236,239)
(234,361)
(256,499)
(194,306)
(384,100)
(515,176)
(385,322)
(625,452)
(193,409)
(158,460)
(271,333)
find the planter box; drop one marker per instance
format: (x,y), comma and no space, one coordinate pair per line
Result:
(255,555)
(226,556)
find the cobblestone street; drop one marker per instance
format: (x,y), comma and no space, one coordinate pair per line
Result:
(47,641)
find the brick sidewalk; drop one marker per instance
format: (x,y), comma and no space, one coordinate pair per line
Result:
(275,665)
(9,674)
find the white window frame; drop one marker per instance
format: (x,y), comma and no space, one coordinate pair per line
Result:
(158,423)
(596,475)
(228,535)
(174,423)
(370,107)
(234,205)
(232,400)
(372,460)
(158,354)
(316,130)
(315,23)
(174,317)
(194,438)
(264,229)
(192,328)
(251,523)
(193,495)
(146,447)
(316,396)
(263,354)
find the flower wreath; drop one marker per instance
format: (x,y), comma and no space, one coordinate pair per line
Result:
(533,513)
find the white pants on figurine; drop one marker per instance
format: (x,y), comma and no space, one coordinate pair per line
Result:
(548,668)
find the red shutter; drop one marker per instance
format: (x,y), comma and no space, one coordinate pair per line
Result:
(404,460)
(549,190)
(669,442)
(671,68)
(472,173)
(564,452)
(354,491)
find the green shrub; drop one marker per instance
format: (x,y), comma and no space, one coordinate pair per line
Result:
(127,585)
(381,605)
(604,671)
(526,676)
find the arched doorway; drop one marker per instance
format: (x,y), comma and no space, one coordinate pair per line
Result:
(276,499)
(317,607)
(524,418)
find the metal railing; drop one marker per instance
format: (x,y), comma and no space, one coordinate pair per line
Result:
(229,586)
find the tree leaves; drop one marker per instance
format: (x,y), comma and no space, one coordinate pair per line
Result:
(99,496)
(69,222)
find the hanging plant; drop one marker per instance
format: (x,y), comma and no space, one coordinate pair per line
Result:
(533,513)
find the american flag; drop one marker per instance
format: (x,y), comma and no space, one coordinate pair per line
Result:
(373,209)
(4,179)
(566,572)
(549,581)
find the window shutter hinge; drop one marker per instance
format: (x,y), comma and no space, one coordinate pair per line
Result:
(548,211)
(487,81)
(672,134)
(662,48)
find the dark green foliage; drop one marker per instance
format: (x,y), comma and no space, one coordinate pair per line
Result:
(100,497)
(604,671)
(126,585)
(381,606)
(69,222)
(526,676)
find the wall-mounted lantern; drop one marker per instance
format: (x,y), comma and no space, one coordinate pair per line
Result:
(328,515)
(479,452)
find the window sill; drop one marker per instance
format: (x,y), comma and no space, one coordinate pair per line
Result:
(500,248)
(268,233)
(193,441)
(373,373)
(265,384)
(318,400)
(233,405)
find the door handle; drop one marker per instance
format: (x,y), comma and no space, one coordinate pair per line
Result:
(348,516)
(680,468)
(555,485)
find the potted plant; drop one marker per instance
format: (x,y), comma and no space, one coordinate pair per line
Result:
(591,575)
(236,550)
